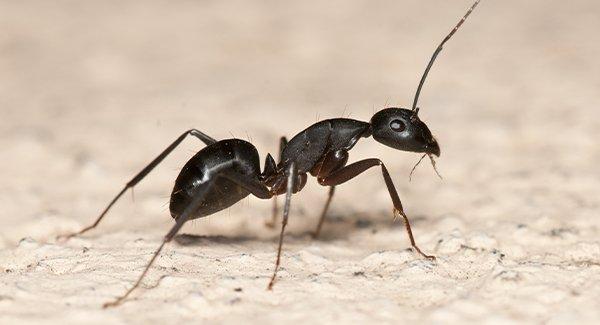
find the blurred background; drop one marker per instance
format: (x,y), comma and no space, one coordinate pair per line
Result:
(90,91)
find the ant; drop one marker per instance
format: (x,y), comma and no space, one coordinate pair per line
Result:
(227,171)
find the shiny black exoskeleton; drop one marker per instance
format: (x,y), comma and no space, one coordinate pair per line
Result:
(232,166)
(226,171)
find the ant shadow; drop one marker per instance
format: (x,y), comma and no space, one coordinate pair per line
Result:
(336,228)
(202,240)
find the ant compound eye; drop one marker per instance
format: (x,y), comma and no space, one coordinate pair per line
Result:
(397,125)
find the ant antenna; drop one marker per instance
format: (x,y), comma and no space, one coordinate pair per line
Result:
(438,50)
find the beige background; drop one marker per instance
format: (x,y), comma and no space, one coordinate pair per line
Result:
(90,91)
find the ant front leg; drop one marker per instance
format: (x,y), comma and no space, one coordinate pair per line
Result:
(271,224)
(137,178)
(349,172)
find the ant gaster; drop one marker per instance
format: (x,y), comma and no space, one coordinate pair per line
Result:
(226,171)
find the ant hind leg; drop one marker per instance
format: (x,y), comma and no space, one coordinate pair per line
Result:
(249,184)
(137,178)
(185,216)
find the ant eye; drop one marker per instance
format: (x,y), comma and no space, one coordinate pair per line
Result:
(397,125)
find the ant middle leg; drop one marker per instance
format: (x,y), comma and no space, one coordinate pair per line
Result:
(349,172)
(137,178)
(292,176)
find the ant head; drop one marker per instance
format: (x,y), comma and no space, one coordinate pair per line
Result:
(402,129)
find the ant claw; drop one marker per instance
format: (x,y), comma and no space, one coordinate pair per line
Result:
(110,304)
(430,257)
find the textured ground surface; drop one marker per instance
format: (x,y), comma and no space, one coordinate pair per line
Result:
(90,92)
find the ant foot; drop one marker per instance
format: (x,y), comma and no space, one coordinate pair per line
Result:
(429,257)
(112,304)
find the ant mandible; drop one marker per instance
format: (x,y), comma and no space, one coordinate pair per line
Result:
(226,171)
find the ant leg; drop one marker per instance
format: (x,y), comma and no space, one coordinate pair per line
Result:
(252,185)
(347,173)
(324,213)
(282,143)
(185,216)
(292,176)
(137,178)
(333,160)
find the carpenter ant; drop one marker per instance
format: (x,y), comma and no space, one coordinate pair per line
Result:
(226,171)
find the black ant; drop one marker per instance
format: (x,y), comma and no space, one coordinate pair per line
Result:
(226,171)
